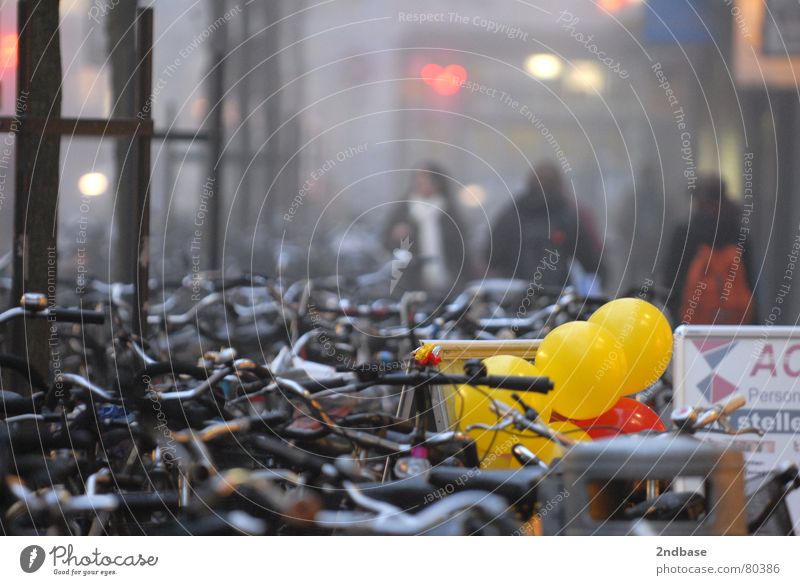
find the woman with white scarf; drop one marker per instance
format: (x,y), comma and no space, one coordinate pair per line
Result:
(426,226)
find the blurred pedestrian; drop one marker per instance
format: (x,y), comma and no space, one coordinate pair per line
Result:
(426,234)
(544,238)
(708,262)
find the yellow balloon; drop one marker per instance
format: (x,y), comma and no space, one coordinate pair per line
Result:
(643,334)
(472,405)
(586,367)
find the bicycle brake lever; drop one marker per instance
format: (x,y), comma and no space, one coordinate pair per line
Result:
(684,417)
(501,408)
(718,413)
(530,412)
(726,428)
(526,457)
(505,423)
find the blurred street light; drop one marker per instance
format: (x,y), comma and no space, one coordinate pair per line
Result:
(616,5)
(585,77)
(472,195)
(543,66)
(93,184)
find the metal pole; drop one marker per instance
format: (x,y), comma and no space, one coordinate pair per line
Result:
(141,194)
(37,174)
(214,241)
(21,187)
(21,184)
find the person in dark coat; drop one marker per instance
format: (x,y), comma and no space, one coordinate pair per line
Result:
(540,234)
(426,229)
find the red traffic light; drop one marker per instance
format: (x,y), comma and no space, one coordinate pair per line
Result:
(444,80)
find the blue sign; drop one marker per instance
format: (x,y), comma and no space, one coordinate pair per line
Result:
(680,22)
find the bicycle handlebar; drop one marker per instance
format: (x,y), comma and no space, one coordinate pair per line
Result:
(84,316)
(384,518)
(538,384)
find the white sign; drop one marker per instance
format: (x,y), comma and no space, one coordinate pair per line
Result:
(760,363)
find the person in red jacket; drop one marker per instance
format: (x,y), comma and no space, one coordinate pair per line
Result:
(708,267)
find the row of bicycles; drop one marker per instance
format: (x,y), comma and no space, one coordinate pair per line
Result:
(253,406)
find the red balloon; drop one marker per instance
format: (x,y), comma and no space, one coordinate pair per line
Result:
(628,416)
